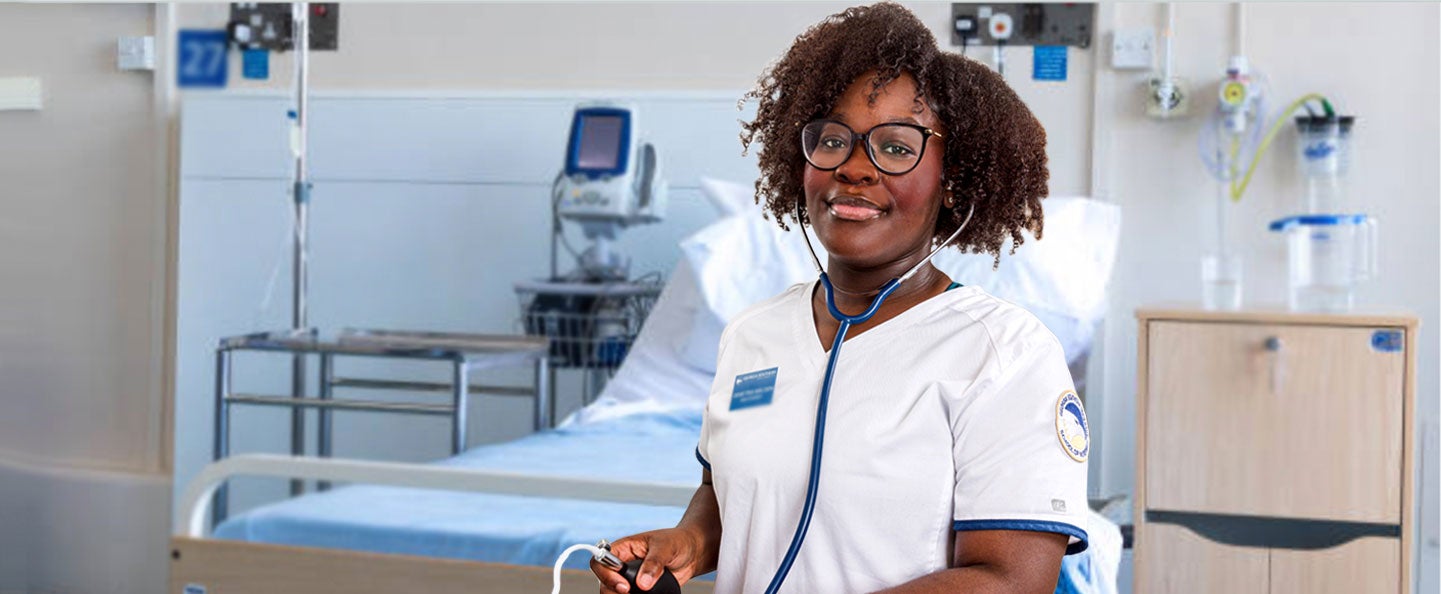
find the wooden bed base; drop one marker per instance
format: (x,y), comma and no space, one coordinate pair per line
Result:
(207,566)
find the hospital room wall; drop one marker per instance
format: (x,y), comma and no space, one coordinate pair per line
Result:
(474,50)
(84,468)
(623,46)
(1350,53)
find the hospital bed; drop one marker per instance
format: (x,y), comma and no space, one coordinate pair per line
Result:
(496,517)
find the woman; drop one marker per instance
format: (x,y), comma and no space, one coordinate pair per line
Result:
(952,460)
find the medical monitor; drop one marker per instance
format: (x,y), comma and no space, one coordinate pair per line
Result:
(599,143)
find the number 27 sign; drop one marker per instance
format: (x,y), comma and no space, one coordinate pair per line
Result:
(203,58)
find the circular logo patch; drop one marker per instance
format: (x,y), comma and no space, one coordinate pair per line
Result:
(1071,426)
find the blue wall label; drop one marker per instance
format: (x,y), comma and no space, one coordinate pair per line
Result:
(1387,341)
(754,389)
(202,58)
(256,64)
(1049,62)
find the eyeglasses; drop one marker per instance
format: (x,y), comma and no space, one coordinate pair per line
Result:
(894,148)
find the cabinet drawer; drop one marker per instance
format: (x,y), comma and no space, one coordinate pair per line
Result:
(1311,428)
(1171,559)
(1371,565)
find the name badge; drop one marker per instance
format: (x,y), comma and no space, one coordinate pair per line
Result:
(754,389)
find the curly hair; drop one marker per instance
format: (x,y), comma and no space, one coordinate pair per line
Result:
(995,149)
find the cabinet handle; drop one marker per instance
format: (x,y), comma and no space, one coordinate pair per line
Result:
(1278,365)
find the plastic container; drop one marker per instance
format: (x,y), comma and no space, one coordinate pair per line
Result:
(1329,256)
(1324,154)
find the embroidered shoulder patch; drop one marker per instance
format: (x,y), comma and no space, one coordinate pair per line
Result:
(1071,426)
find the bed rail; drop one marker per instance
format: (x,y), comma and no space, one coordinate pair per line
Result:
(194,507)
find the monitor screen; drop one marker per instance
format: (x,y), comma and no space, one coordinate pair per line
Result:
(599,142)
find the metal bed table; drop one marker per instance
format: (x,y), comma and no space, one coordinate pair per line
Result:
(465,352)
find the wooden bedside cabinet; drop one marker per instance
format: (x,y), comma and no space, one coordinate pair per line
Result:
(1274,452)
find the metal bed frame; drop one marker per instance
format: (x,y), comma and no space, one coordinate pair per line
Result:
(465,353)
(203,565)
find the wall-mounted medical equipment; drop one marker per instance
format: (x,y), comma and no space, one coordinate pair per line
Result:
(1230,134)
(1330,249)
(1166,94)
(1050,28)
(270,26)
(1062,23)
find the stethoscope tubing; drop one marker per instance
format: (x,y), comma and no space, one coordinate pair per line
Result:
(818,445)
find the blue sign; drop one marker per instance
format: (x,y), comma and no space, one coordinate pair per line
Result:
(256,65)
(1049,63)
(754,389)
(202,59)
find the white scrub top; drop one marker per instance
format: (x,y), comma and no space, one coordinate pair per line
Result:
(957,414)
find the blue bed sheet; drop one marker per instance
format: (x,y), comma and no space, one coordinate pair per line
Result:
(497,528)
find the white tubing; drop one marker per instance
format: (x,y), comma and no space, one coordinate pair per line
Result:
(1240,29)
(595,551)
(1169,34)
(194,505)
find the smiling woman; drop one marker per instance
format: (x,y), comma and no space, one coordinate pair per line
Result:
(995,149)
(958,452)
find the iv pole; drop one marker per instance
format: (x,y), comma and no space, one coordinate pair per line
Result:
(300,37)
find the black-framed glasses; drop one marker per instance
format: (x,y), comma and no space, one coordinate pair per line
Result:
(895,148)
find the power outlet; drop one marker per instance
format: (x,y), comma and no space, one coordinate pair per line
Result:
(1133,49)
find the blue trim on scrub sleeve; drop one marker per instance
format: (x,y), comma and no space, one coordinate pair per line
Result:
(1028,525)
(701,458)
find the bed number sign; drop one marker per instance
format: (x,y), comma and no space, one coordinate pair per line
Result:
(202,60)
(754,389)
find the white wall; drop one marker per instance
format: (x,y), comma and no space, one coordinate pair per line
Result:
(1376,60)
(641,46)
(84,469)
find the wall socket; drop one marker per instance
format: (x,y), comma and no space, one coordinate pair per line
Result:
(1133,49)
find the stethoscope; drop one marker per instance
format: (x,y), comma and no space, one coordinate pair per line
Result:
(818,445)
(667,582)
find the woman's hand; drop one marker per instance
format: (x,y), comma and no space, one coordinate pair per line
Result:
(675,549)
